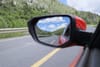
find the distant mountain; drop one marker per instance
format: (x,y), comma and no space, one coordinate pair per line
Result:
(15,13)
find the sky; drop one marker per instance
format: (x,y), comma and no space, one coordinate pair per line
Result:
(53,24)
(84,5)
(63,1)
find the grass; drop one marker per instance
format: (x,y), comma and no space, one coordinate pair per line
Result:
(93,25)
(15,34)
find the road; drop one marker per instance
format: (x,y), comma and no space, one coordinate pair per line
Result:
(50,40)
(90,28)
(24,52)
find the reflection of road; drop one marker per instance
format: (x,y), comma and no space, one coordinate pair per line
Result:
(50,40)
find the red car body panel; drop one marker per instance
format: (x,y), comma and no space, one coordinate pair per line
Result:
(61,41)
(75,61)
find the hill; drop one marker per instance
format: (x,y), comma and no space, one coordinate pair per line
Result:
(16,13)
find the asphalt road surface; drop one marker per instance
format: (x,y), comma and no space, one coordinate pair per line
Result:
(24,52)
(50,40)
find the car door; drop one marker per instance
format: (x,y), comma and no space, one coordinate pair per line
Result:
(91,55)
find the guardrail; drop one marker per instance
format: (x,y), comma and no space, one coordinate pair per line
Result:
(12,30)
(43,35)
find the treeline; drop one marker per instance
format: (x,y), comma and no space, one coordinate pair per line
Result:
(14,16)
(47,33)
(16,13)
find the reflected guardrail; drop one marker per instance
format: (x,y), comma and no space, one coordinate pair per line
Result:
(12,30)
(43,35)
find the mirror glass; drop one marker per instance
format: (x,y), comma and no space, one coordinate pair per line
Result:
(53,30)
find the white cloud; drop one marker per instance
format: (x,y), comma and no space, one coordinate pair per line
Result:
(42,28)
(53,19)
(62,25)
(85,5)
(52,26)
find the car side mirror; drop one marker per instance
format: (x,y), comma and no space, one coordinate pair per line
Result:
(57,31)
(53,30)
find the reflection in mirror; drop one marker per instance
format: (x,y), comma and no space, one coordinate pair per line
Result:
(52,30)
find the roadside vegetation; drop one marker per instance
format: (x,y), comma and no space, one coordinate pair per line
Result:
(16,13)
(46,33)
(13,34)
